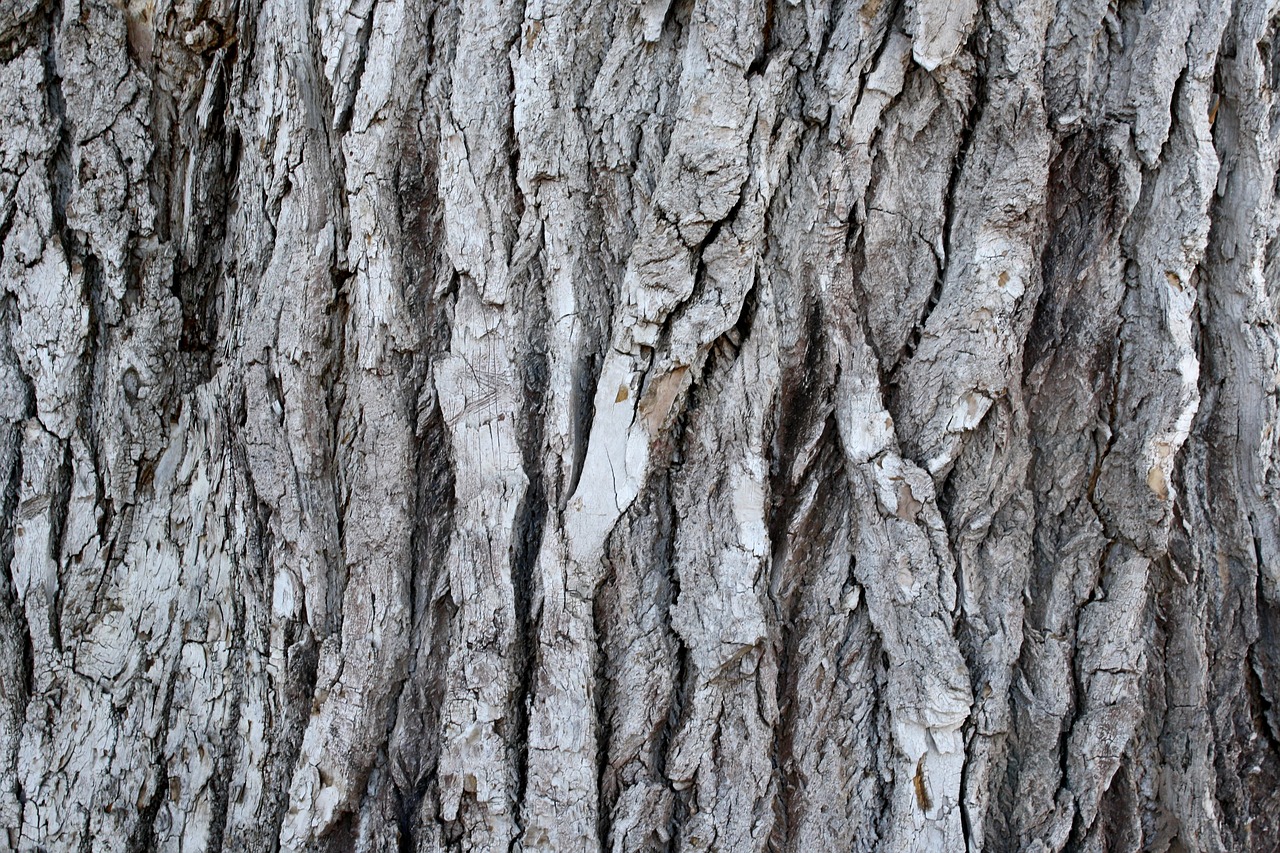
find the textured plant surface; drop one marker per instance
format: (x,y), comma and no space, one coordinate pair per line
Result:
(740,425)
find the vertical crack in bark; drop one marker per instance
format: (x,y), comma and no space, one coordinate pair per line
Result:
(683,674)
(973,116)
(60,177)
(144,837)
(225,763)
(795,531)
(16,645)
(531,516)
(343,110)
(603,695)
(58,509)
(335,382)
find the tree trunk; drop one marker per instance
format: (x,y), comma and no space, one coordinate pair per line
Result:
(740,425)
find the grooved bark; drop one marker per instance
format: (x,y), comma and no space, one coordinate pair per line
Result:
(742,425)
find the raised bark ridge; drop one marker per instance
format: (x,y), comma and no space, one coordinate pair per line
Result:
(701,425)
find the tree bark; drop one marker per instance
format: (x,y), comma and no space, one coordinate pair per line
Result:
(552,425)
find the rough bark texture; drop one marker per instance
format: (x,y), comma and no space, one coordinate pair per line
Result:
(550,425)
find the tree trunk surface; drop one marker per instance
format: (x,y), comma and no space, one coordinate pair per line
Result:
(553,425)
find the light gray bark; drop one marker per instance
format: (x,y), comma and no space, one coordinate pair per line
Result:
(551,425)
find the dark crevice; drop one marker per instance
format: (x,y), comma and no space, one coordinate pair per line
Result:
(882,713)
(1063,753)
(803,401)
(726,347)
(59,507)
(1080,224)
(513,140)
(586,376)
(761,61)
(967,131)
(406,810)
(6,224)
(682,799)
(230,756)
(434,612)
(1259,815)
(814,66)
(186,172)
(678,23)
(673,16)
(335,398)
(802,550)
(531,518)
(1259,675)
(431,615)
(1063,325)
(1176,104)
(343,111)
(143,839)
(298,680)
(966,822)
(60,173)
(682,679)
(431,611)
(10,492)
(201,271)
(639,557)
(227,759)
(1118,808)
(604,699)
(588,365)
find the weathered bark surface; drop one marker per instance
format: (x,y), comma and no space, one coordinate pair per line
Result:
(741,425)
